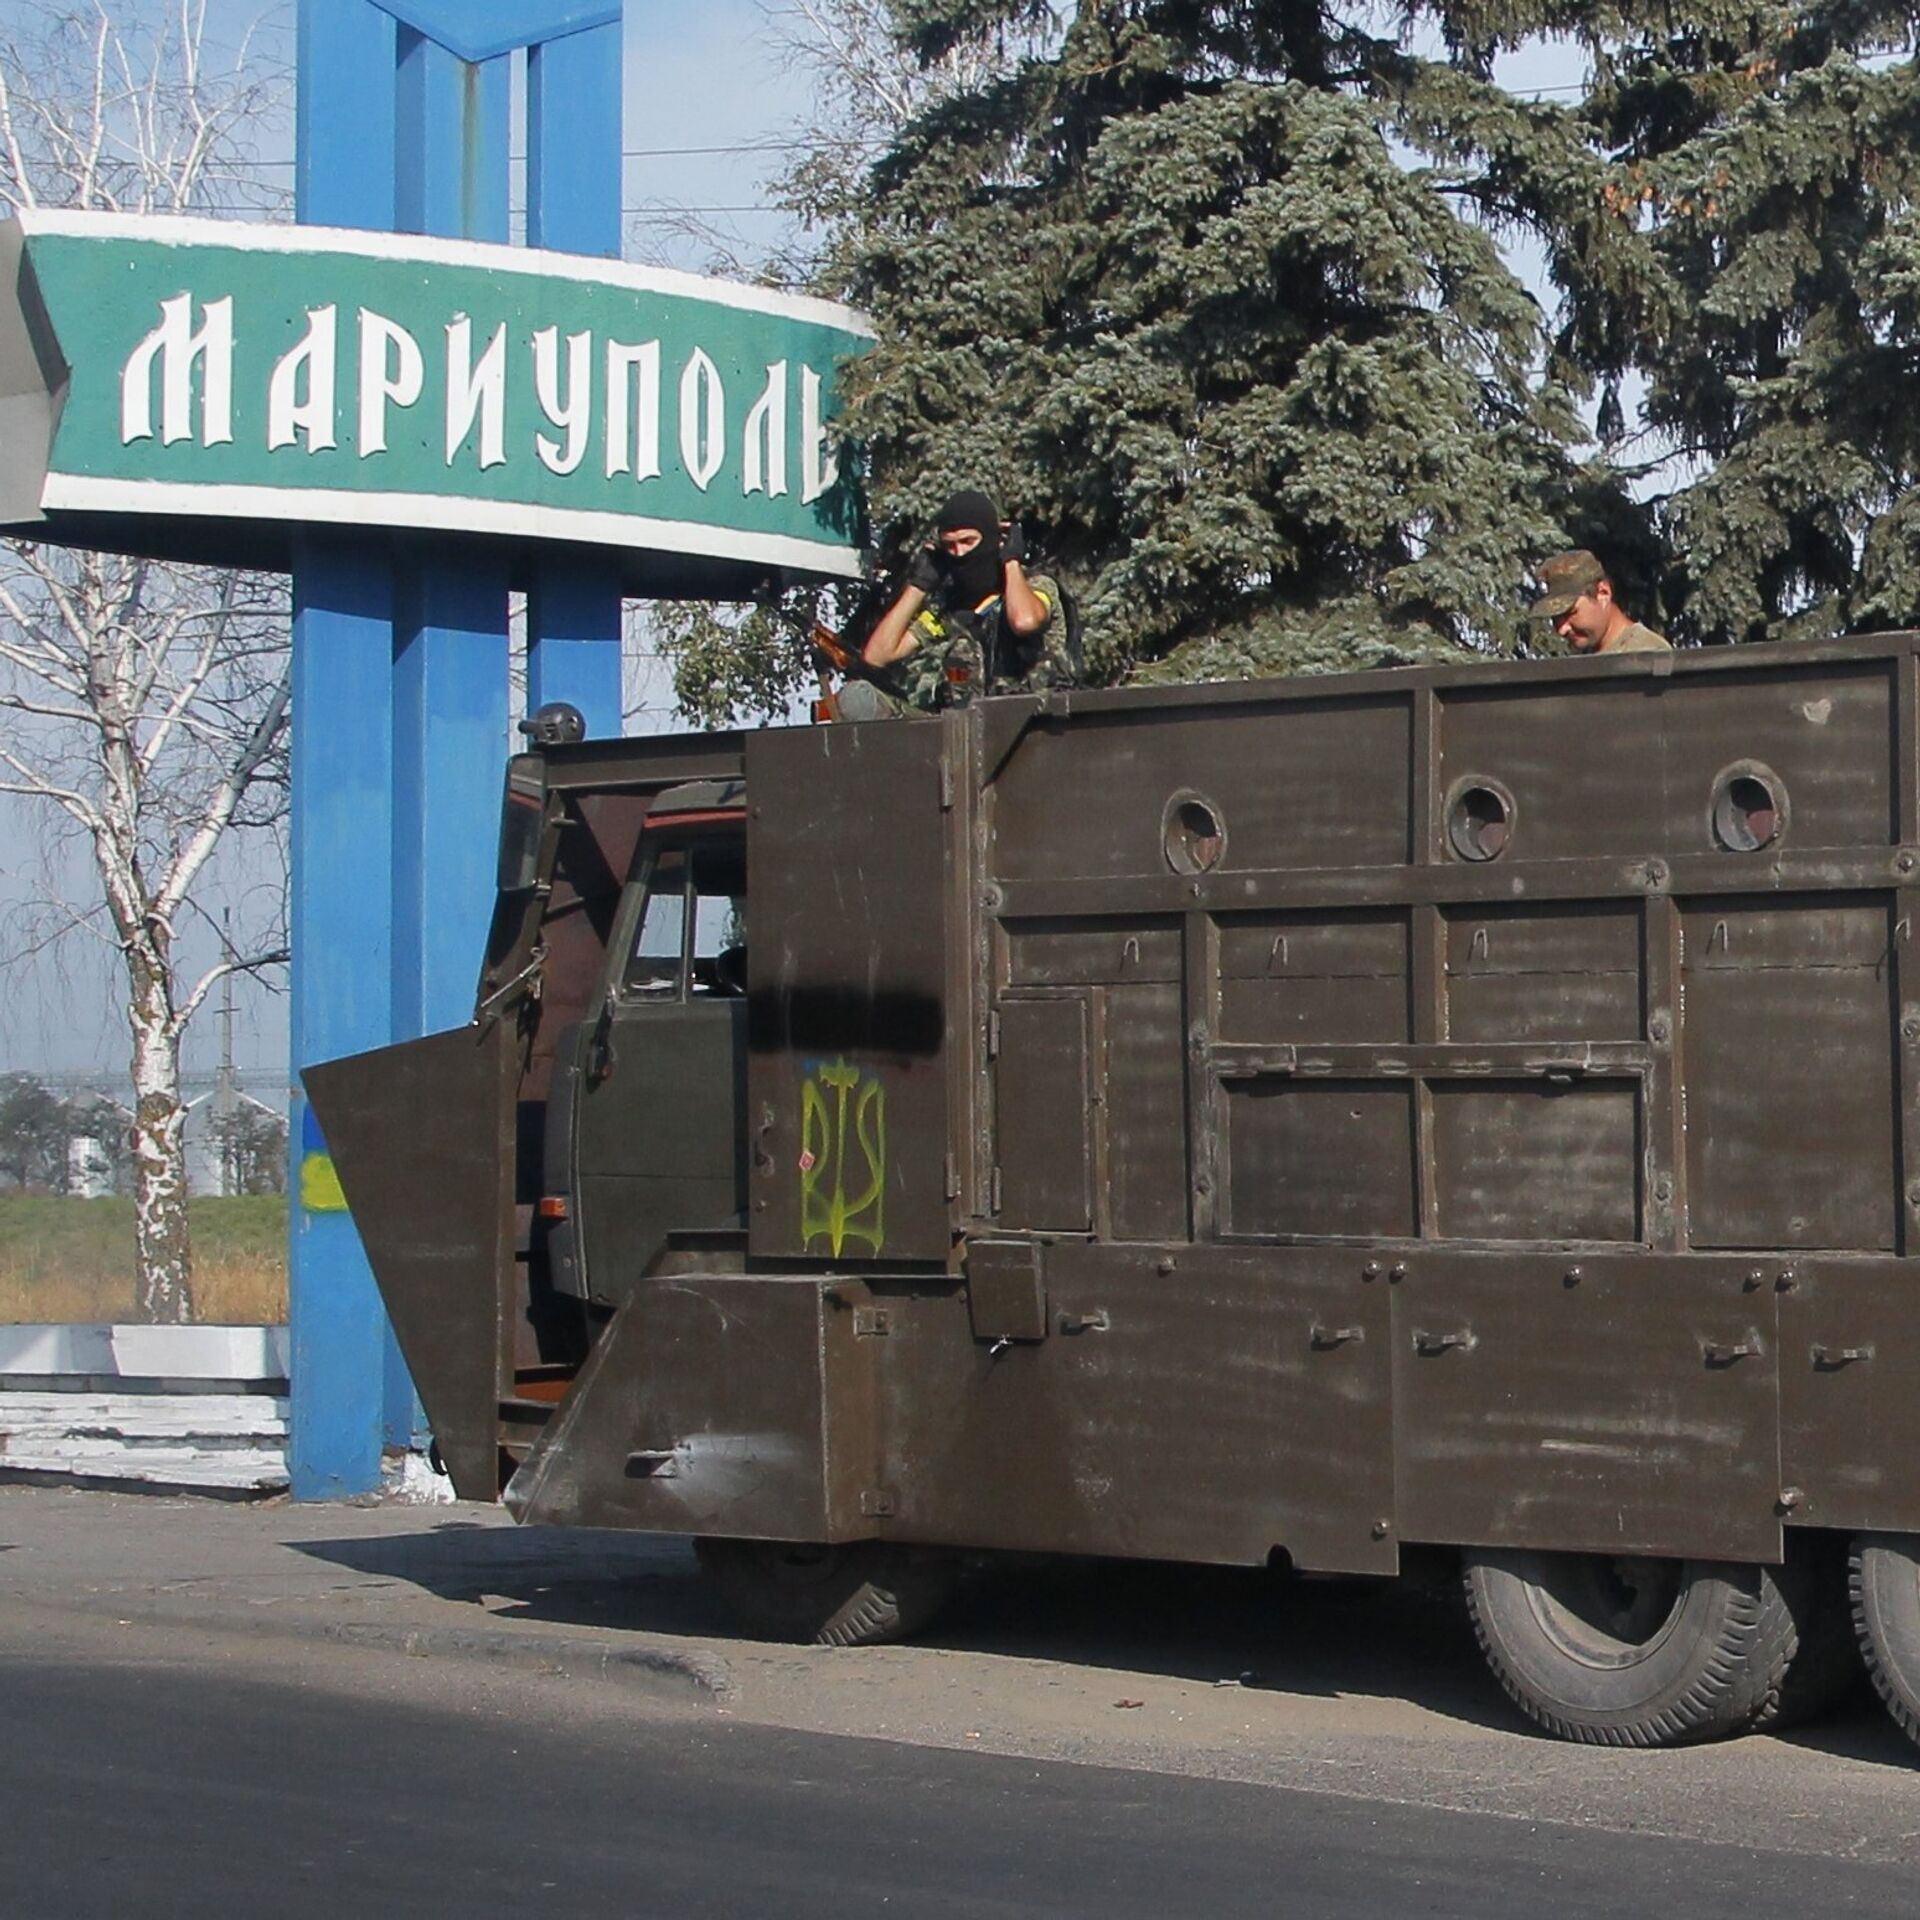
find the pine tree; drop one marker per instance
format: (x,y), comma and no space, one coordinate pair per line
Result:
(1212,300)
(1761,183)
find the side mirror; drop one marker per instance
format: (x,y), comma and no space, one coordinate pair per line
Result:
(523,816)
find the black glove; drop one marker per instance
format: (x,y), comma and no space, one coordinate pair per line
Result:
(923,571)
(1013,543)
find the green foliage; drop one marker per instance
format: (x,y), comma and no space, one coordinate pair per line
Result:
(1196,299)
(1210,294)
(746,665)
(35,1126)
(1767,156)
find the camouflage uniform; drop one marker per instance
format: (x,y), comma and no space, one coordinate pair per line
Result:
(1640,639)
(947,667)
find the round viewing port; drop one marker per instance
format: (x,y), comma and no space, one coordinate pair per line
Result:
(1749,807)
(1479,819)
(1192,834)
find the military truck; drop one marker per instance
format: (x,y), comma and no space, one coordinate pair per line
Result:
(1325,1123)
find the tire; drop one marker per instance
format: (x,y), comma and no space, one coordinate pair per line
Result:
(857,1595)
(1826,1666)
(1884,1578)
(1624,1652)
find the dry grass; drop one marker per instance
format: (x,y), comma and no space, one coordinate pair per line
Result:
(71,1261)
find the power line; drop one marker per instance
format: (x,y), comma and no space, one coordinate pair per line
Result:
(651,153)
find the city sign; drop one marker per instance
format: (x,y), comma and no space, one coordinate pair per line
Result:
(274,377)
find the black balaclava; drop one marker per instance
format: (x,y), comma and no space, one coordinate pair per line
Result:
(976,576)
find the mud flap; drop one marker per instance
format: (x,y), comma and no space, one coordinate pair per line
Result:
(730,1404)
(422,1138)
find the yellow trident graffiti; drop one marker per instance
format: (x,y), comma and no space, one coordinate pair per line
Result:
(827,1100)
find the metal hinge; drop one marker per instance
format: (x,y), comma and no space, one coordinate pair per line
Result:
(952,1170)
(946,785)
(993,1035)
(993,1192)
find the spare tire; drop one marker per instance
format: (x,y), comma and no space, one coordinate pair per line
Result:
(854,1595)
(1631,1652)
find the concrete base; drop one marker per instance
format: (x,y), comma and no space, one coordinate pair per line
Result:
(200,1409)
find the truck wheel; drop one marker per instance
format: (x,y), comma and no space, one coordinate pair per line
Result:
(856,1595)
(1885,1580)
(1631,1652)
(1826,1661)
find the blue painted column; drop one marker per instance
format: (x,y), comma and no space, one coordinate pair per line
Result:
(574,141)
(400,649)
(450,632)
(342,810)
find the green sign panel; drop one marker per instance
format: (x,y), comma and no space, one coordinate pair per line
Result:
(298,375)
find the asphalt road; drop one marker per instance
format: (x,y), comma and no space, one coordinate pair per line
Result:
(152,1772)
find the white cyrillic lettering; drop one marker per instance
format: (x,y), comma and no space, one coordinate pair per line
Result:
(477,391)
(391,370)
(633,409)
(703,420)
(316,359)
(178,348)
(571,414)
(765,455)
(819,452)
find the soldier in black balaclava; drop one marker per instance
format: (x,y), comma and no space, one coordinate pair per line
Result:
(967,620)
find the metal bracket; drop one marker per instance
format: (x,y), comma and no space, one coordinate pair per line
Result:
(871,1323)
(1717,1353)
(1322,1338)
(1430,1343)
(1832,1359)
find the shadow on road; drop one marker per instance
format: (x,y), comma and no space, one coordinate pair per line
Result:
(1212,1625)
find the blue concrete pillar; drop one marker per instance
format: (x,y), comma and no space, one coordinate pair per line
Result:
(400,665)
(449,748)
(342,808)
(454,119)
(342,834)
(574,142)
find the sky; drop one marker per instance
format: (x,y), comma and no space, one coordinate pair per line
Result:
(710,101)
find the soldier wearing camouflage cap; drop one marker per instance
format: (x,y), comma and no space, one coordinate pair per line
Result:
(1577,597)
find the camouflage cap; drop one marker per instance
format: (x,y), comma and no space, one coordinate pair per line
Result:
(1563,579)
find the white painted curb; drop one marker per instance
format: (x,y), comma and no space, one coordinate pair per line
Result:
(201,1408)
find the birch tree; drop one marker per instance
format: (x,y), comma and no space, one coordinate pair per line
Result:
(146,703)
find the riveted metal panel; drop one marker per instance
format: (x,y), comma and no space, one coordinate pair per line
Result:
(1562,972)
(1608,1403)
(1056,953)
(1319,1157)
(1301,979)
(1042,1114)
(1849,1414)
(849,1024)
(1789,1060)
(1091,798)
(715,1404)
(1122,1433)
(1535,1160)
(1569,802)
(1146,1109)
(1825,731)
(422,1136)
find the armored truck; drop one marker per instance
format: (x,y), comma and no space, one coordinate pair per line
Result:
(1464,1111)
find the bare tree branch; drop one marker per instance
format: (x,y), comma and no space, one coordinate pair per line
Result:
(150,701)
